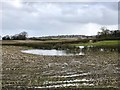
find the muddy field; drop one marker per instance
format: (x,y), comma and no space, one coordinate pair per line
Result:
(93,70)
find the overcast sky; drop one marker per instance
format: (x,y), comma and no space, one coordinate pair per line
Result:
(43,19)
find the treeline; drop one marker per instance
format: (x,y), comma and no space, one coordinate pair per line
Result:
(107,34)
(20,36)
(41,39)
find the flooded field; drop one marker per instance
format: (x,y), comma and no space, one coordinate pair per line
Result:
(95,69)
(47,52)
(52,52)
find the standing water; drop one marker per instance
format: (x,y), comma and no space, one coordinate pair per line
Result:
(52,52)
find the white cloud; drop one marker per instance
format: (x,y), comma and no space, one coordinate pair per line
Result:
(14,3)
(17,4)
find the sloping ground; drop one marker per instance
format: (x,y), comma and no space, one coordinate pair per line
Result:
(94,70)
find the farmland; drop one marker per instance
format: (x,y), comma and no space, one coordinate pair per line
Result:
(92,70)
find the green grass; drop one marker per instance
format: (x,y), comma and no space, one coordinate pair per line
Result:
(100,43)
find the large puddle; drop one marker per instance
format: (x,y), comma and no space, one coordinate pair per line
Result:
(52,52)
(79,51)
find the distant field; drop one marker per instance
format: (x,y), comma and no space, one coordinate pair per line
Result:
(99,43)
(35,41)
(106,42)
(60,44)
(48,44)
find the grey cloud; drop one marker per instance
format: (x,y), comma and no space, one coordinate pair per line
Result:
(56,17)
